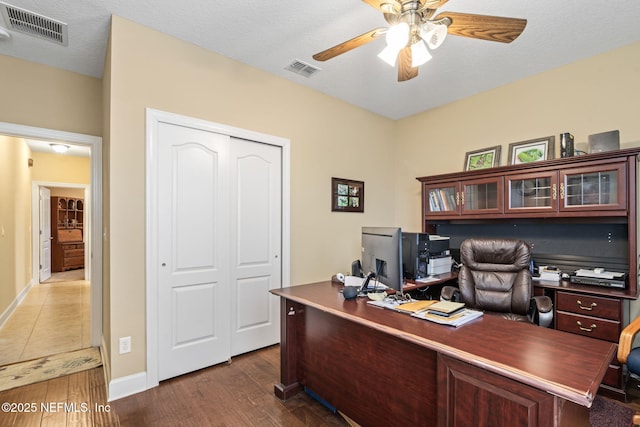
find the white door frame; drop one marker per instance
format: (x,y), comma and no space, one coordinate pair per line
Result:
(94,231)
(153,119)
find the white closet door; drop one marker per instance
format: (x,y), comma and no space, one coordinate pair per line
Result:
(193,222)
(256,244)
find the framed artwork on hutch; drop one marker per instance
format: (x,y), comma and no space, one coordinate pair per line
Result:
(482,159)
(533,150)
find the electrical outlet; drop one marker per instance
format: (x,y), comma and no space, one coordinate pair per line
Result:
(125,345)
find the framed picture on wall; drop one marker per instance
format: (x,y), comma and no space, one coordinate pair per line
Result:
(347,195)
(533,150)
(482,159)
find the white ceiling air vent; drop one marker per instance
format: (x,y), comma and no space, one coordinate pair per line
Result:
(23,21)
(302,68)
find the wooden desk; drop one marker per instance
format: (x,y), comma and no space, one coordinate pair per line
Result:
(378,365)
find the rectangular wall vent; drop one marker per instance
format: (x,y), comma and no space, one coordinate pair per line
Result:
(31,23)
(302,68)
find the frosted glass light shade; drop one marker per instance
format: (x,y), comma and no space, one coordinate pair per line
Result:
(433,34)
(398,36)
(59,148)
(389,55)
(419,54)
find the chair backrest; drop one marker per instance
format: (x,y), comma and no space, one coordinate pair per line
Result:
(495,275)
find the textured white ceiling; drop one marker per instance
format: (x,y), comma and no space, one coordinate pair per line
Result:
(271,34)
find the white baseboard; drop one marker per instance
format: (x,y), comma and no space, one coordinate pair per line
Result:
(126,386)
(15,303)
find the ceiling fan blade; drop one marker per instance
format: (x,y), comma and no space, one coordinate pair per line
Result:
(405,70)
(484,27)
(355,42)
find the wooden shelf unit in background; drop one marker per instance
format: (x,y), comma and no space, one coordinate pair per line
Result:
(67,230)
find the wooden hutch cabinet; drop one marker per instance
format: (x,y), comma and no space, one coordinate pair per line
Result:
(575,212)
(67,229)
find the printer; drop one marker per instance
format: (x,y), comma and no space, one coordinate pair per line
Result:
(424,255)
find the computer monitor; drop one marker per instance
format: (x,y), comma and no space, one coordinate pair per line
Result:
(382,255)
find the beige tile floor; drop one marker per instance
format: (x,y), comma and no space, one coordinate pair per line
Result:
(53,318)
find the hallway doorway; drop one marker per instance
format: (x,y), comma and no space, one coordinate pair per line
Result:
(69,301)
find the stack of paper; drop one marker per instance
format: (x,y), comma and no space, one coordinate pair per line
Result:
(415,306)
(446,308)
(547,274)
(465,316)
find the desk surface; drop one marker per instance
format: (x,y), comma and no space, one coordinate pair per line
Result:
(566,365)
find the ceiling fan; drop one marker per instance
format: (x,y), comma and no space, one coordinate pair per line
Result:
(413,28)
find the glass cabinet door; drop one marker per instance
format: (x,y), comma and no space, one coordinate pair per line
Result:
(594,188)
(481,196)
(442,200)
(531,192)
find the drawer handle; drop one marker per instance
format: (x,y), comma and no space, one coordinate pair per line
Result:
(593,304)
(589,329)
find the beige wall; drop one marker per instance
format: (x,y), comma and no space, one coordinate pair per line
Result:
(15,219)
(49,98)
(51,167)
(328,138)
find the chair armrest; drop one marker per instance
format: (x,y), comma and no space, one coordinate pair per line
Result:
(626,339)
(541,310)
(450,293)
(543,303)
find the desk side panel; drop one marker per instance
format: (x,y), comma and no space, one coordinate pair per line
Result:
(292,317)
(472,396)
(366,373)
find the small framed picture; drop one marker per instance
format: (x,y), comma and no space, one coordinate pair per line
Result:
(347,195)
(533,150)
(482,159)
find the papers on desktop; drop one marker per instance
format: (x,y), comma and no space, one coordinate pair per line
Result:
(357,281)
(467,315)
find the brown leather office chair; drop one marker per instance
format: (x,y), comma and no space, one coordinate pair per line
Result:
(627,355)
(495,278)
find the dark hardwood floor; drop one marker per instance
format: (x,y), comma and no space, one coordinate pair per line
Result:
(236,394)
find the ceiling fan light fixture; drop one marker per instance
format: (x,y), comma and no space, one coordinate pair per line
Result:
(419,54)
(398,36)
(389,55)
(433,34)
(59,148)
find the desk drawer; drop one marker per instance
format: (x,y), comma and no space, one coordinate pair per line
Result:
(588,305)
(73,262)
(73,253)
(68,246)
(593,327)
